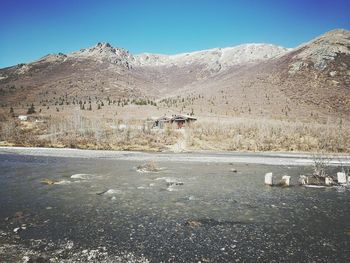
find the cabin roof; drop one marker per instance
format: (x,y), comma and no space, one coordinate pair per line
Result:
(178,117)
(183,117)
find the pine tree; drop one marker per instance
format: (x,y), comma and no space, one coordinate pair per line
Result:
(31,109)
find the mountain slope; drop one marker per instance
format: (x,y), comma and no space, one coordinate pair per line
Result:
(319,72)
(118,73)
(253,79)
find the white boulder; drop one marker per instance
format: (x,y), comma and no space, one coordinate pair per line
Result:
(341,177)
(328,180)
(269,179)
(286,180)
(303,179)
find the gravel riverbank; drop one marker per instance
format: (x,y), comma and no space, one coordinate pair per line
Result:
(269,158)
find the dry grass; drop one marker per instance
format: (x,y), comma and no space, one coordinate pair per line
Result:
(80,132)
(270,135)
(240,134)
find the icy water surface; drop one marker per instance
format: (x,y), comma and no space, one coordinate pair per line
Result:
(105,211)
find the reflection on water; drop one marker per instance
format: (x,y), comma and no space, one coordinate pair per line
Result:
(187,212)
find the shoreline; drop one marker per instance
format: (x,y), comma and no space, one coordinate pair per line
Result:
(267,158)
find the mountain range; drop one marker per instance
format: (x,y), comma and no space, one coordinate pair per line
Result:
(309,81)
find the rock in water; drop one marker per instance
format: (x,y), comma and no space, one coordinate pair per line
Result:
(48,181)
(193,223)
(269,179)
(286,180)
(303,179)
(328,180)
(341,177)
(148,167)
(314,180)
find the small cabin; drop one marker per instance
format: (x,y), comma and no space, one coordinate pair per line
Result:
(182,120)
(179,120)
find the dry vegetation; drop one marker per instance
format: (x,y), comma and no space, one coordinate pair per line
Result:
(80,132)
(270,135)
(240,134)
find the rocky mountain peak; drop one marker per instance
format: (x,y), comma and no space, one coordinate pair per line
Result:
(105,52)
(337,33)
(321,51)
(103,45)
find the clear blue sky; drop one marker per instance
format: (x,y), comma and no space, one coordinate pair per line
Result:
(30,29)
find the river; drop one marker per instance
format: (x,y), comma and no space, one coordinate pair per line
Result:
(194,210)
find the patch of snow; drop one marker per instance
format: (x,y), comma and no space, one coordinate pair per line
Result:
(167,179)
(82,176)
(214,59)
(63,182)
(112,191)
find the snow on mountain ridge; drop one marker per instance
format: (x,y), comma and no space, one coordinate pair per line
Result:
(317,53)
(215,58)
(226,56)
